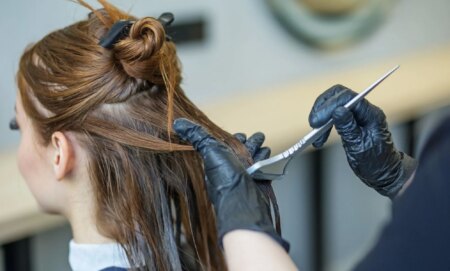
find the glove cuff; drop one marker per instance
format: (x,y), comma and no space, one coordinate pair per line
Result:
(407,168)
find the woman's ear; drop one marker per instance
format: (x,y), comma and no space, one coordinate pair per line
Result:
(63,158)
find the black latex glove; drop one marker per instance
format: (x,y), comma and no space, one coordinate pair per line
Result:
(253,145)
(238,202)
(366,140)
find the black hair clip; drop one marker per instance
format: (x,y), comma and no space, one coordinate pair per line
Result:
(121,29)
(118,31)
(13,125)
(166,19)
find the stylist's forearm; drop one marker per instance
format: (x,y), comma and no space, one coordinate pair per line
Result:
(250,250)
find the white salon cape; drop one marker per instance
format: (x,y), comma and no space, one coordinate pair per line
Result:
(95,257)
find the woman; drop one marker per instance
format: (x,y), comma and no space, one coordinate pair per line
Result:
(97,145)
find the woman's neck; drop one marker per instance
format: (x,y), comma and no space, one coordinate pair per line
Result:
(82,218)
(85,230)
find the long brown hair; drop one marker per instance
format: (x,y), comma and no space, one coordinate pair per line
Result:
(149,187)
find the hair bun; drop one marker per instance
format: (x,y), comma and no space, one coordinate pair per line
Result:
(139,52)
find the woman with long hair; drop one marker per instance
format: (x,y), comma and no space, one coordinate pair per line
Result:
(98,147)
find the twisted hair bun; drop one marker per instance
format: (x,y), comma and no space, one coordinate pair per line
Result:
(140,52)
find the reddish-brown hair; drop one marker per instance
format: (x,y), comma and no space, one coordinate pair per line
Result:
(149,187)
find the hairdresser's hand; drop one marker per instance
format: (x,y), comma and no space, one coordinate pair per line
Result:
(238,202)
(253,145)
(366,139)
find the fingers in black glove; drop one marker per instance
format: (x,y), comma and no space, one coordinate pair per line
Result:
(323,109)
(346,126)
(364,113)
(241,137)
(253,145)
(262,154)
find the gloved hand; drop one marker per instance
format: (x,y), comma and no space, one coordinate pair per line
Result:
(366,140)
(238,202)
(253,145)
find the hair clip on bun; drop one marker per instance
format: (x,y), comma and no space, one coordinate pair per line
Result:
(166,19)
(121,29)
(118,31)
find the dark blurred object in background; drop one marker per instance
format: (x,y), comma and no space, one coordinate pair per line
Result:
(330,24)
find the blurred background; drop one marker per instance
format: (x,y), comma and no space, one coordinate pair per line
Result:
(259,65)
